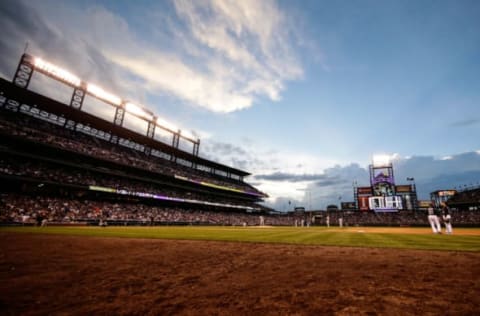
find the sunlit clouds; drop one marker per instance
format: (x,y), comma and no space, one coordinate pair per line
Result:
(236,52)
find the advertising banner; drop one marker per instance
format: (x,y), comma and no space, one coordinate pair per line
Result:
(424,203)
(403,188)
(364,190)
(363,203)
(446,193)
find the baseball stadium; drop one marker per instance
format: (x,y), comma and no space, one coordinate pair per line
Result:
(98,217)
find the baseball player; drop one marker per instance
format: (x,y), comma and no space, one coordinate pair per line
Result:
(433,220)
(447,218)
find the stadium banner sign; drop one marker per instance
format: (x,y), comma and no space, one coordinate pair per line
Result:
(101,189)
(447,193)
(424,203)
(363,203)
(364,190)
(169,198)
(403,188)
(216,186)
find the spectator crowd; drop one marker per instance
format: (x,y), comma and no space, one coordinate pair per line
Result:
(26,209)
(227,208)
(48,133)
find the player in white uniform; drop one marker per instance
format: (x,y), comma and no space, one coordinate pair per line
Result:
(447,218)
(433,220)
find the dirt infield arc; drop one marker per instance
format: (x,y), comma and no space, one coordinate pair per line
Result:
(49,274)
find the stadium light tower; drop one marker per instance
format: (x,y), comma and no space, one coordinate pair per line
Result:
(308,194)
(28,64)
(103,95)
(412,180)
(57,72)
(309,199)
(414,192)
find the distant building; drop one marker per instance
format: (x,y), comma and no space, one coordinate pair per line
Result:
(348,206)
(332,207)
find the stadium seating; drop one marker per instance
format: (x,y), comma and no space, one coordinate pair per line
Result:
(81,175)
(468,199)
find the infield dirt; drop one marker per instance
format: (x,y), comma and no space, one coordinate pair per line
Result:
(46,274)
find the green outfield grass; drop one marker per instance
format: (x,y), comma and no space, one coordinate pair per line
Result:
(412,238)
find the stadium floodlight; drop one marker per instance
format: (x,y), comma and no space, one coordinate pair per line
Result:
(57,72)
(381,160)
(135,109)
(172,127)
(102,94)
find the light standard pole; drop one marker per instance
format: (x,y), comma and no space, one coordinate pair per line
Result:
(308,194)
(355,194)
(309,200)
(414,192)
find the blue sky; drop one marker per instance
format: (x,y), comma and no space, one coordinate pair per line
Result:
(299,93)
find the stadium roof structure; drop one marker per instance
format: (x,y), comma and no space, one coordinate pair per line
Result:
(43,103)
(29,64)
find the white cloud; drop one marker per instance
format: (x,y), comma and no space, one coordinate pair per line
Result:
(173,76)
(278,190)
(217,55)
(283,175)
(242,50)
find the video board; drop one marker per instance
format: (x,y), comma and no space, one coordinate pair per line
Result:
(383,189)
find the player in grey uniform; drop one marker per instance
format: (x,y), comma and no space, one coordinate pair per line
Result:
(433,220)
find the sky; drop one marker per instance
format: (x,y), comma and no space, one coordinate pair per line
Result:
(301,94)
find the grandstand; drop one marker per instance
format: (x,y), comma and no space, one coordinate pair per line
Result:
(468,199)
(65,164)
